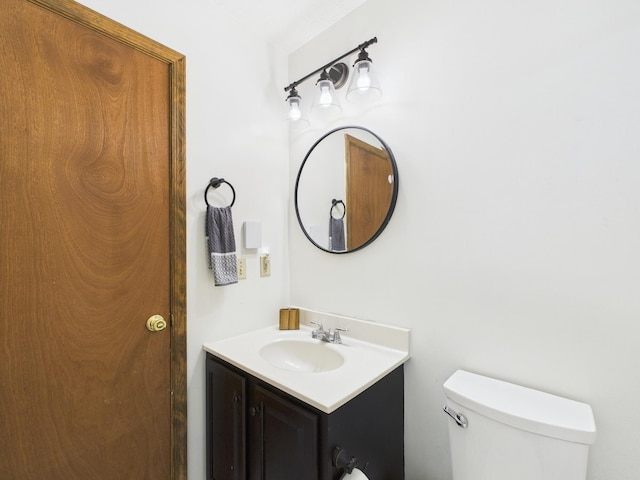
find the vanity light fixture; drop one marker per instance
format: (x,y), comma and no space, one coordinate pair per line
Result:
(295,112)
(364,86)
(333,75)
(325,97)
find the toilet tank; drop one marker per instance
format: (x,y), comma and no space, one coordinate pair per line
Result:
(514,432)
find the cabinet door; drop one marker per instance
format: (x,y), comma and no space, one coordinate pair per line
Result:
(283,442)
(226,438)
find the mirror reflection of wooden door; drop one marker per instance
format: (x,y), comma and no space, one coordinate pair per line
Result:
(369,190)
(91,212)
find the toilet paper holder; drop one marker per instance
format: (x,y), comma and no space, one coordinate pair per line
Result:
(342,460)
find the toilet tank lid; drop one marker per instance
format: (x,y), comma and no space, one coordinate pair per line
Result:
(521,407)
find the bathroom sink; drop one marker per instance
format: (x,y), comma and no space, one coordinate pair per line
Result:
(318,373)
(302,356)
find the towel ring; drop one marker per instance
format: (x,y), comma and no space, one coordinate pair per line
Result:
(334,203)
(215,182)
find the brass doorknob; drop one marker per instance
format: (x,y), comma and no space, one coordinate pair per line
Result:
(156,323)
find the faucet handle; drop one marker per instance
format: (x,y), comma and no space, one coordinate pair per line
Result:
(336,334)
(317,324)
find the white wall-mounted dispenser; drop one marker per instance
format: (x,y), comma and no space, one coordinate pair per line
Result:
(252,234)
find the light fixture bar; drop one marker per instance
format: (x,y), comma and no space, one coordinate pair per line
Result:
(360,47)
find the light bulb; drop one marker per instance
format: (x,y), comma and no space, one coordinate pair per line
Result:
(364,87)
(295,116)
(325,99)
(294,111)
(325,94)
(364,80)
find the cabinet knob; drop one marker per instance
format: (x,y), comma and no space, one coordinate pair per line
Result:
(253,411)
(236,399)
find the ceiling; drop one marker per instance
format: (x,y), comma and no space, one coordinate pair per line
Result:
(288,23)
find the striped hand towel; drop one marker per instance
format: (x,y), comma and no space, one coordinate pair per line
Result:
(221,245)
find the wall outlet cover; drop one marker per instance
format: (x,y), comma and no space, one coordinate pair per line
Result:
(242,268)
(265,266)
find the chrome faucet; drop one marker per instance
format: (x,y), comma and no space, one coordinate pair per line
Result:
(326,335)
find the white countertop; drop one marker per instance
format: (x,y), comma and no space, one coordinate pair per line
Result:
(364,364)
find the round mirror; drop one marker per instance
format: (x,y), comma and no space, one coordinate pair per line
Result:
(346,189)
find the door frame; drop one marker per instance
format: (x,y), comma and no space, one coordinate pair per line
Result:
(176,63)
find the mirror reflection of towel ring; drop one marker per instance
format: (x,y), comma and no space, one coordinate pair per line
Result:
(215,183)
(334,204)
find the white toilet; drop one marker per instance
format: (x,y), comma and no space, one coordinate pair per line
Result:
(502,431)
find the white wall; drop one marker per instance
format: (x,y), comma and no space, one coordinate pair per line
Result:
(231,133)
(513,251)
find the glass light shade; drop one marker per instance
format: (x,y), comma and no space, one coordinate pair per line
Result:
(364,86)
(294,109)
(295,115)
(325,98)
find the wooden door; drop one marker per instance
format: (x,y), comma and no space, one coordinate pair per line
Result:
(91,245)
(369,191)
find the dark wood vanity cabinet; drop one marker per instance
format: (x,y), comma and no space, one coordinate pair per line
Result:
(282,438)
(226,423)
(257,432)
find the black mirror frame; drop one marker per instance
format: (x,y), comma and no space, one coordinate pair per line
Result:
(394,195)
